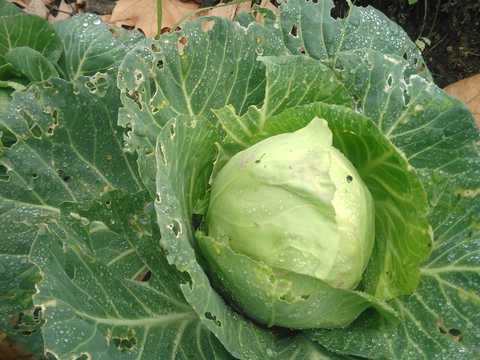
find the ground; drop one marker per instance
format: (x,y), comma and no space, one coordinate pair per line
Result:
(451,26)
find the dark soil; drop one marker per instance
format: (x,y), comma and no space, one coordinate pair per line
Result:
(451,26)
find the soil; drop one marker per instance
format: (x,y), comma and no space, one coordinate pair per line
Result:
(452,27)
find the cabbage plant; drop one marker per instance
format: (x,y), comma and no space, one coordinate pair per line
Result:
(108,182)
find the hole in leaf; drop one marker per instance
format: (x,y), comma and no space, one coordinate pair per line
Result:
(389,80)
(421,68)
(213,318)
(7,138)
(63,175)
(70,271)
(294,31)
(288,297)
(341,9)
(37,315)
(301,50)
(108,203)
(36,131)
(349,178)
(115,32)
(405,56)
(305,297)
(102,84)
(406,97)
(196,220)
(144,276)
(207,25)
(454,332)
(133,94)
(4,174)
(83,357)
(182,42)
(156,48)
(176,227)
(172,130)
(90,86)
(160,64)
(35,175)
(24,322)
(125,344)
(26,116)
(55,117)
(147,276)
(138,76)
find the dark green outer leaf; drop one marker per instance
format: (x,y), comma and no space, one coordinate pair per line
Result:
(52,126)
(308,28)
(84,240)
(89,45)
(42,141)
(89,296)
(215,68)
(290,83)
(31,31)
(31,63)
(299,80)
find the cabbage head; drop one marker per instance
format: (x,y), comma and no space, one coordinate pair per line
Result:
(297,216)
(295,202)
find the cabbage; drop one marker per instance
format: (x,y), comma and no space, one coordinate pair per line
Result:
(292,204)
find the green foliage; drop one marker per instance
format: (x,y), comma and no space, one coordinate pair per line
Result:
(106,153)
(32,50)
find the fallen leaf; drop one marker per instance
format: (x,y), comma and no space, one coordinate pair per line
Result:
(20,3)
(12,350)
(468,91)
(231,10)
(142,14)
(36,7)
(64,11)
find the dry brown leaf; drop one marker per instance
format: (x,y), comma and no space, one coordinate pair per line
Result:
(232,10)
(143,14)
(65,11)
(22,4)
(468,91)
(37,7)
(11,350)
